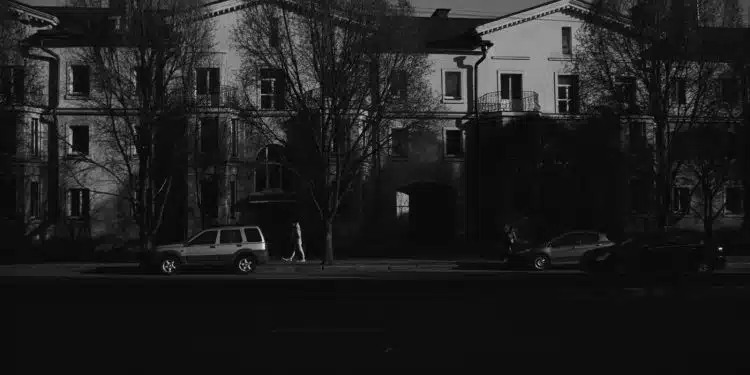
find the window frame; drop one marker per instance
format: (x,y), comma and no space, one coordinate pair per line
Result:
(72,149)
(398,85)
(274,77)
(462,143)
(35,200)
(679,92)
(266,165)
(461,89)
(234,147)
(572,91)
(677,203)
(394,140)
(36,137)
(632,94)
(567,40)
(84,203)
(72,80)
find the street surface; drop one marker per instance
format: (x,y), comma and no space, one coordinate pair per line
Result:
(365,319)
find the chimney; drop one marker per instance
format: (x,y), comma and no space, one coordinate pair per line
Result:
(441,13)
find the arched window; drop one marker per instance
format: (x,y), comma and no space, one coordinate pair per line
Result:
(269,174)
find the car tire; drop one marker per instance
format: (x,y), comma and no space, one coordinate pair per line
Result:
(245,264)
(169,265)
(540,262)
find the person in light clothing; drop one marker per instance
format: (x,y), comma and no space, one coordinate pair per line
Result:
(297,243)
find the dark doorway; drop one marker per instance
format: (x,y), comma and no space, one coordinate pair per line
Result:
(432,212)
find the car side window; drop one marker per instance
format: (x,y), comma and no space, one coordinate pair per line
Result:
(230,236)
(566,240)
(589,238)
(252,235)
(206,238)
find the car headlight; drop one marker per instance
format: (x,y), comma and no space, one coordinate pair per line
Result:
(720,249)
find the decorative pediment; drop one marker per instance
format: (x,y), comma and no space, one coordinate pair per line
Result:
(31,16)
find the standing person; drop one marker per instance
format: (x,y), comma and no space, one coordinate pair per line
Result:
(511,238)
(297,243)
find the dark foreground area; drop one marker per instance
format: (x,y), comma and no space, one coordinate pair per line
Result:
(510,325)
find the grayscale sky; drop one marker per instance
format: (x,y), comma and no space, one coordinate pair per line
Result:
(459,8)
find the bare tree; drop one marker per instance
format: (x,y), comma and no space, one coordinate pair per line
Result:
(637,64)
(709,157)
(345,70)
(142,82)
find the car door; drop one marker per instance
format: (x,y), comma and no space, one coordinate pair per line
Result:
(562,247)
(230,240)
(201,249)
(585,242)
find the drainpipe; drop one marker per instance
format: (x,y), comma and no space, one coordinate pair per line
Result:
(485,46)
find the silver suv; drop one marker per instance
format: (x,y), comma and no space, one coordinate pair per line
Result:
(241,248)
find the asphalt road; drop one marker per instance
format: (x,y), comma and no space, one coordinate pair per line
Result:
(504,321)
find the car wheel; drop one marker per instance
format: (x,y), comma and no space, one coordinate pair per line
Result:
(169,265)
(540,262)
(245,264)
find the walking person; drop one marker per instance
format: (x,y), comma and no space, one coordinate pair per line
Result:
(297,243)
(511,238)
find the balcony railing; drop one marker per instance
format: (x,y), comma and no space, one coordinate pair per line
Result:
(494,102)
(224,97)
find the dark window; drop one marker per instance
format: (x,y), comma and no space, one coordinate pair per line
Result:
(209,135)
(735,199)
(230,236)
(269,174)
(252,235)
(235,137)
(205,238)
(567,41)
(567,94)
(567,240)
(637,136)
(34,199)
(79,142)
(8,196)
(232,195)
(12,84)
(681,199)
(511,86)
(398,85)
(730,90)
(273,38)
(400,143)
(454,145)
(625,92)
(210,198)
(453,85)
(79,202)
(36,139)
(271,89)
(208,86)
(679,92)
(80,79)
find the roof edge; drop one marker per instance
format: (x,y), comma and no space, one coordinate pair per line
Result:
(31,12)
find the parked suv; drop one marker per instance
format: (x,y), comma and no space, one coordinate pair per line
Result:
(241,248)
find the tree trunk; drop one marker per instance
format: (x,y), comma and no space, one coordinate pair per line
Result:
(328,229)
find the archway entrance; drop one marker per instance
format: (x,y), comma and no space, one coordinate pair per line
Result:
(431,215)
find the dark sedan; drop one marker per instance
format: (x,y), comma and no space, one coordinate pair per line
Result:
(660,253)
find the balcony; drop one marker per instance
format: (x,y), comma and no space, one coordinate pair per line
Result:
(225,96)
(493,102)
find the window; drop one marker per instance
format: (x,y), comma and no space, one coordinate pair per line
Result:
(235,137)
(398,85)
(567,94)
(567,41)
(679,92)
(271,89)
(12,85)
(79,142)
(209,135)
(232,195)
(452,85)
(734,201)
(269,174)
(35,196)
(114,23)
(79,80)
(253,235)
(730,91)
(625,92)
(210,198)
(637,135)
(208,85)
(79,203)
(230,236)
(36,139)
(454,145)
(400,143)
(402,204)
(639,196)
(205,238)
(681,199)
(273,38)
(511,88)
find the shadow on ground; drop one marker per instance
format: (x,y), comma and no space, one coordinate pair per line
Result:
(136,270)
